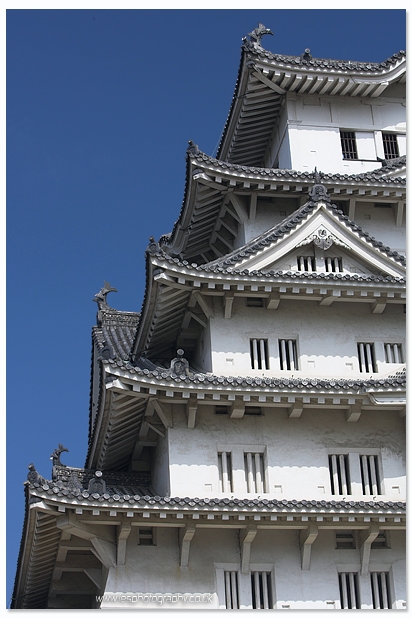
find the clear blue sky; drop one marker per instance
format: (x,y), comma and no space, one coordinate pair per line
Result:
(100,107)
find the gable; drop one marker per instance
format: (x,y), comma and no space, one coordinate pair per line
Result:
(319,242)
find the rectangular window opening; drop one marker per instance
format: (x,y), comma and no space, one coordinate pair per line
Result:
(288,354)
(306,263)
(380,590)
(146,536)
(261,590)
(393,353)
(390,145)
(370,475)
(231,590)
(339,475)
(348,144)
(381,541)
(349,591)
(254,301)
(225,471)
(259,353)
(333,265)
(221,410)
(255,472)
(253,411)
(366,357)
(345,540)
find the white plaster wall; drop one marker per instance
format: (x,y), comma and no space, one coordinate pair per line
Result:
(380,223)
(295,451)
(326,336)
(313,131)
(155,569)
(160,468)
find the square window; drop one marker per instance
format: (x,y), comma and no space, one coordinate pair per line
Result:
(306,263)
(146,536)
(345,540)
(333,265)
(393,353)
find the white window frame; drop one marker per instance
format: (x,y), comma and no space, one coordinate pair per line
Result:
(239,472)
(355,473)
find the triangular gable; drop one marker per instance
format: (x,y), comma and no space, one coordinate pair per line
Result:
(318,230)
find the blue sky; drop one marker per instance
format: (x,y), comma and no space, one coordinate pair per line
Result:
(100,107)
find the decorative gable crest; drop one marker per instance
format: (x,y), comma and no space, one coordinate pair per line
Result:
(323,239)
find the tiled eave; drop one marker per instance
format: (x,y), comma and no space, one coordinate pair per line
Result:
(54,495)
(209,181)
(264,79)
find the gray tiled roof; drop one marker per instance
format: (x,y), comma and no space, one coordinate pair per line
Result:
(115,332)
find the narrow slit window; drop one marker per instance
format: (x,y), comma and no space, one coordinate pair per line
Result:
(393,353)
(390,145)
(261,590)
(254,301)
(370,475)
(380,590)
(339,475)
(333,265)
(366,357)
(225,471)
(259,353)
(255,472)
(306,263)
(231,590)
(348,144)
(288,354)
(349,591)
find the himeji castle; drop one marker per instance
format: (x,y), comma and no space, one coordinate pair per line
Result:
(247,425)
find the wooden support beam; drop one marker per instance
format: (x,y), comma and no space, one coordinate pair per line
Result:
(228,302)
(256,73)
(379,305)
(185,537)
(191,416)
(239,207)
(122,536)
(306,539)
(237,410)
(295,411)
(354,412)
(156,429)
(161,412)
(399,208)
(246,538)
(105,551)
(273,300)
(95,575)
(352,205)
(206,304)
(253,203)
(366,538)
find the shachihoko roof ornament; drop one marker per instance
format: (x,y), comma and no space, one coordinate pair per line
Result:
(256,36)
(100,297)
(318,192)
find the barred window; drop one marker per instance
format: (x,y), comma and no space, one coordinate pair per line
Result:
(393,353)
(261,590)
(146,536)
(333,265)
(255,472)
(225,471)
(366,357)
(259,353)
(349,591)
(390,145)
(380,590)
(370,475)
(288,354)
(345,540)
(306,263)
(348,143)
(339,475)
(231,590)
(381,541)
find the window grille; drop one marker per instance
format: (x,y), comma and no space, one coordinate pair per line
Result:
(225,471)
(146,536)
(255,473)
(348,143)
(381,541)
(366,357)
(253,411)
(231,590)
(261,590)
(333,265)
(288,354)
(339,475)
(390,145)
(380,590)
(393,353)
(306,263)
(254,301)
(221,410)
(345,540)
(349,591)
(259,354)
(370,475)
